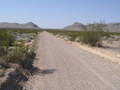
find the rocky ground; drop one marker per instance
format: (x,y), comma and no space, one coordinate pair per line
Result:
(112,44)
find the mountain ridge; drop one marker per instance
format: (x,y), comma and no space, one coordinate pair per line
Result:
(111,27)
(18,25)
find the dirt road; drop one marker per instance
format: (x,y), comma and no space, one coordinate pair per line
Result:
(66,67)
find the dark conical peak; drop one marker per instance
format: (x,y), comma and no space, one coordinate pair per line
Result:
(32,24)
(77,23)
(75,26)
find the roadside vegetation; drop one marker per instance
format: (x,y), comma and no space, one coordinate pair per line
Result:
(13,50)
(92,36)
(17,52)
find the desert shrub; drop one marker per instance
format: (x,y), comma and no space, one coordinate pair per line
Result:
(73,35)
(91,37)
(27,63)
(21,55)
(6,38)
(11,51)
(3,51)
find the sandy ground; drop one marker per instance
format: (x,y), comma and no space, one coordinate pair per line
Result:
(67,67)
(109,54)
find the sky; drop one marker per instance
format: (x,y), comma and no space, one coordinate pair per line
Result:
(59,13)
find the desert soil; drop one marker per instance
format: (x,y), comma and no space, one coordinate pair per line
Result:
(67,67)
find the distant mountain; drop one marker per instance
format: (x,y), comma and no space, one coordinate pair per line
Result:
(75,27)
(111,27)
(17,25)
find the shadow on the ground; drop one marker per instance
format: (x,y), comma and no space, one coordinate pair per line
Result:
(36,71)
(105,47)
(47,71)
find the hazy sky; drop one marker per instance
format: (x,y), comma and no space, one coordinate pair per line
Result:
(59,13)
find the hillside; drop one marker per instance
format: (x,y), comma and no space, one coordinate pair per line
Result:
(75,27)
(111,27)
(17,25)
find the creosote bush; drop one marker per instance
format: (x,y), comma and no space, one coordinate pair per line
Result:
(92,38)
(21,55)
(12,52)
(18,55)
(94,34)
(6,38)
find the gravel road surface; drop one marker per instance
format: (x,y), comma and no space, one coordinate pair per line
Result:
(66,67)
